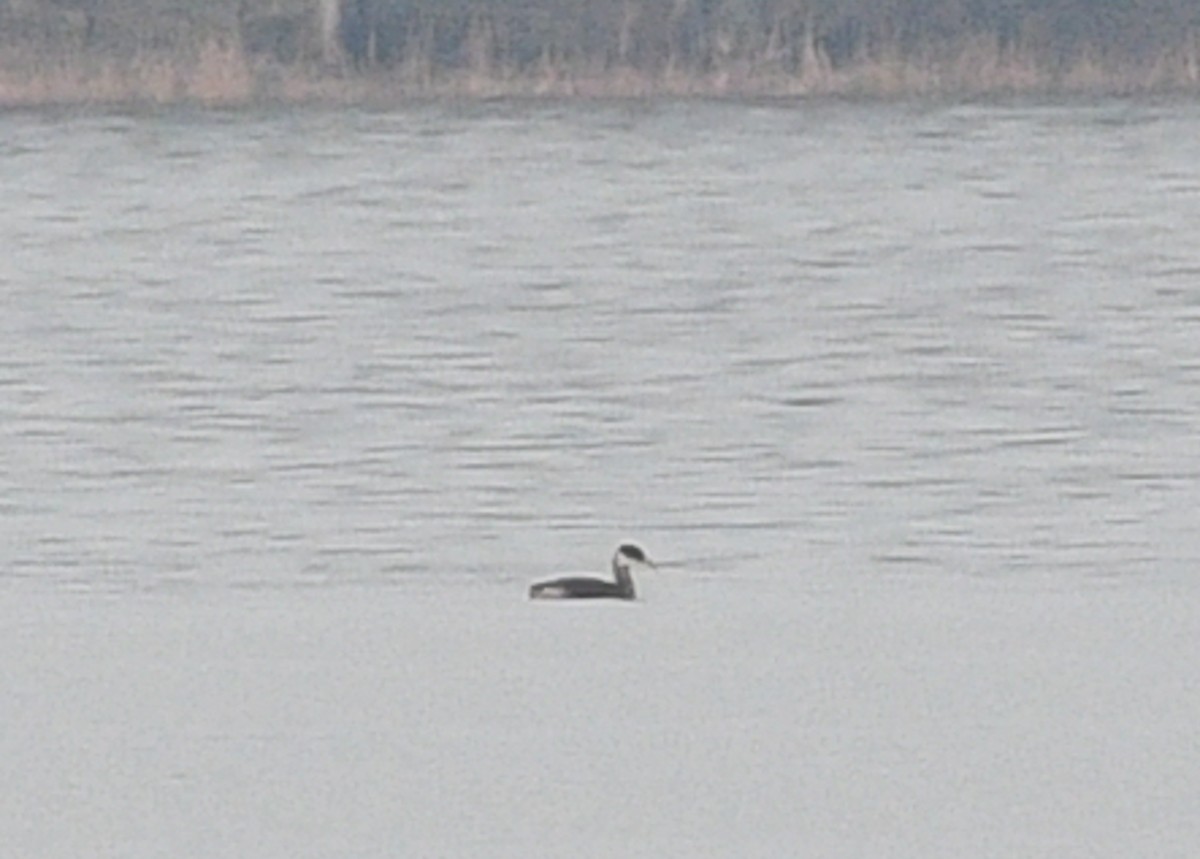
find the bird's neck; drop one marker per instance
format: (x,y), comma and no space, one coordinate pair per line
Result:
(623,577)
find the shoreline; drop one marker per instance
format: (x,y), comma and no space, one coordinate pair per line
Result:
(221,75)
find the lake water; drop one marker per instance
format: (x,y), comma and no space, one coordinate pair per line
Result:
(905,399)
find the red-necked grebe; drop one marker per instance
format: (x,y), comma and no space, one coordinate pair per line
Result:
(584,587)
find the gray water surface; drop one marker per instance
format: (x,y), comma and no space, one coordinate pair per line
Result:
(294,405)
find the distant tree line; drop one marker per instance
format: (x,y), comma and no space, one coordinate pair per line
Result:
(697,37)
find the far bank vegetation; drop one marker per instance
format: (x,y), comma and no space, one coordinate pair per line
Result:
(238,51)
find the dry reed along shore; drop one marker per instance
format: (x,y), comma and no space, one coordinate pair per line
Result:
(236,52)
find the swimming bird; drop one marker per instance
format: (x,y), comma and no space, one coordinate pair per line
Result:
(584,587)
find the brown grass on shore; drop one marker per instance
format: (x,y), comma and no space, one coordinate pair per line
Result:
(219,74)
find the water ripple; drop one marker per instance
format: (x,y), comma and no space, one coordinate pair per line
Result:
(390,348)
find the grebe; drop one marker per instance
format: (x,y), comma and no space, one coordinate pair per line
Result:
(582,587)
